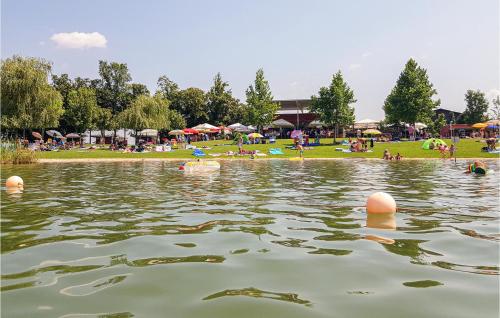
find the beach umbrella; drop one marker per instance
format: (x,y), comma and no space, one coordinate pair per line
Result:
(426,143)
(372,132)
(252,128)
(190,131)
(493,122)
(480,125)
(492,127)
(73,135)
(296,133)
(176,132)
(54,133)
(37,135)
(255,135)
(281,123)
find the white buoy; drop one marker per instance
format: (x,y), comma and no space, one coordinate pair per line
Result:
(14,182)
(380,202)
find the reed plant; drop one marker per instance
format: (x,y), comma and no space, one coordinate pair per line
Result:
(12,152)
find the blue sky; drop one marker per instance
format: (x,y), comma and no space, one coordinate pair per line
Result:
(300,44)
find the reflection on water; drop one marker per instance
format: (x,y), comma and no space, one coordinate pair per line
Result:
(257,293)
(143,239)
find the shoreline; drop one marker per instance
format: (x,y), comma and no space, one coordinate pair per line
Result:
(111,160)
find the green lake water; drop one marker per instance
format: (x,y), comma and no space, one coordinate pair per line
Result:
(257,239)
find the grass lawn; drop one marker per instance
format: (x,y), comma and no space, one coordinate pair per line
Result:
(467,148)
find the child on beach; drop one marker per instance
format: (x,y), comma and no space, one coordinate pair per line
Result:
(300,148)
(452,150)
(398,157)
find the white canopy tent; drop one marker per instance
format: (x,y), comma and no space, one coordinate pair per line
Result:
(241,128)
(366,124)
(315,124)
(205,126)
(148,133)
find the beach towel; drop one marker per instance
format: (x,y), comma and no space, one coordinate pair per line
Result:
(276,151)
(198,153)
(346,150)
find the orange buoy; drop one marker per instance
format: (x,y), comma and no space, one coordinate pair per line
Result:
(14,182)
(380,202)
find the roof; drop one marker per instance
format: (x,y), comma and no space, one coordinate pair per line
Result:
(294,104)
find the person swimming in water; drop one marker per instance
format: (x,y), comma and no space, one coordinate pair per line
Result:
(477,167)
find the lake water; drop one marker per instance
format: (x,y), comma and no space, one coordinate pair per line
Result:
(257,239)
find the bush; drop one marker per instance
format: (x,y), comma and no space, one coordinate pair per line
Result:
(13,153)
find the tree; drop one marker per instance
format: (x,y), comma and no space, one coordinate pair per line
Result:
(28,100)
(104,120)
(261,108)
(64,85)
(113,92)
(439,123)
(191,103)
(220,102)
(477,107)
(167,88)
(495,110)
(176,120)
(410,101)
(146,112)
(82,109)
(332,104)
(137,89)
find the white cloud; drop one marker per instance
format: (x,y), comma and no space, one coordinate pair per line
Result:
(79,40)
(354,66)
(366,54)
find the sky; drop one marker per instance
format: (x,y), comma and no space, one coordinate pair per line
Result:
(299,44)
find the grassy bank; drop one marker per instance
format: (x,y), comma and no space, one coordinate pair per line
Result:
(466,149)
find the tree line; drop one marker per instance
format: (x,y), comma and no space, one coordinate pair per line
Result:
(33,98)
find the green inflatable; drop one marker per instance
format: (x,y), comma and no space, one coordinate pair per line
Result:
(436,141)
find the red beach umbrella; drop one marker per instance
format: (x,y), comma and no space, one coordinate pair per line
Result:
(190,131)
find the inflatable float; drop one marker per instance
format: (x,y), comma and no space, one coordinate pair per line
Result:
(200,166)
(477,167)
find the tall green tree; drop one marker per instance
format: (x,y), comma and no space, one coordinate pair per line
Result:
(82,110)
(191,103)
(64,85)
(220,102)
(138,89)
(261,109)
(28,100)
(167,88)
(476,107)
(114,89)
(495,109)
(104,120)
(332,105)
(411,100)
(177,121)
(439,123)
(146,112)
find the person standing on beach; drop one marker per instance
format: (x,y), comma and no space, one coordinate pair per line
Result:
(371,143)
(240,144)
